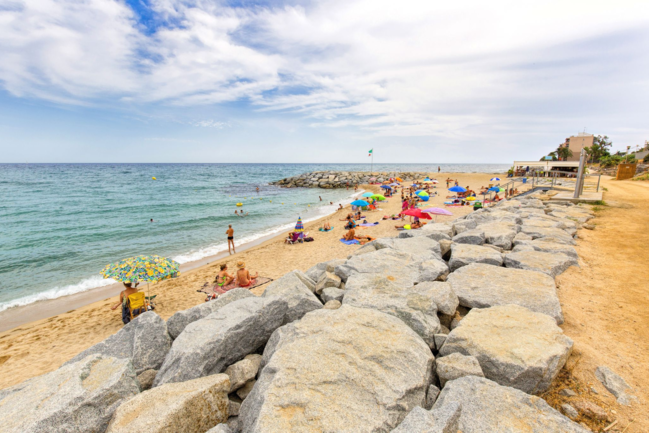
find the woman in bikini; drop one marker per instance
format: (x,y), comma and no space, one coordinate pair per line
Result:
(223,278)
(243,276)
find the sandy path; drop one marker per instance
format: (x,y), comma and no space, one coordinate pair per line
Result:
(606,302)
(39,347)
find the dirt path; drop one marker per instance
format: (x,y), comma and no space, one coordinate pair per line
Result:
(606,304)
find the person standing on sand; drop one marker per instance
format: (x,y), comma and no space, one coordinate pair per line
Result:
(439,169)
(230,233)
(320,198)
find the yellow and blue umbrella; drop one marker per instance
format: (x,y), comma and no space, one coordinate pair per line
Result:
(299,227)
(142,268)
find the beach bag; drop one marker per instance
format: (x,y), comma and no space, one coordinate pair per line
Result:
(309,239)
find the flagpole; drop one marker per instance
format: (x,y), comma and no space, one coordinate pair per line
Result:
(372,164)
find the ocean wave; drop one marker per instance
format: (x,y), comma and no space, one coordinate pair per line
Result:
(58,292)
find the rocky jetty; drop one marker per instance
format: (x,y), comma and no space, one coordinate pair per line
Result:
(343,179)
(453,327)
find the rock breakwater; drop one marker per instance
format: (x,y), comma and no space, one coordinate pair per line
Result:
(343,179)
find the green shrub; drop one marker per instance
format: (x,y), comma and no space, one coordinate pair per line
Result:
(600,203)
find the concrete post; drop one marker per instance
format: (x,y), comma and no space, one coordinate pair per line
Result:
(580,174)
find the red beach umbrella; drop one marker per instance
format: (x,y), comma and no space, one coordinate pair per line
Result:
(417,213)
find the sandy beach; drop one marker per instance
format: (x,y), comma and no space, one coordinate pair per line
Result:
(40,345)
(604,300)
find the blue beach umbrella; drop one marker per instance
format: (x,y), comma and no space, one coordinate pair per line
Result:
(368,194)
(385,187)
(494,188)
(493,179)
(360,203)
(457,189)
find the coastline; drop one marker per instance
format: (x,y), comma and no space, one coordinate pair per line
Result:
(38,346)
(35,311)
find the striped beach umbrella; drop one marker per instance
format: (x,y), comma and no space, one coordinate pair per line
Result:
(299,227)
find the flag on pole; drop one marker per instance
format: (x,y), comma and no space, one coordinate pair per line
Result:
(371,151)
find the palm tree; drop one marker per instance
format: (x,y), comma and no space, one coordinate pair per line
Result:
(563,153)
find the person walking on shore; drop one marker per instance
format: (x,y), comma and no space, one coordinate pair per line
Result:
(230,233)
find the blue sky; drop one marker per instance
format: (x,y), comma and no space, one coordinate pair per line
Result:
(302,81)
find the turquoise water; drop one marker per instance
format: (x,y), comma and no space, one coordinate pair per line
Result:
(60,224)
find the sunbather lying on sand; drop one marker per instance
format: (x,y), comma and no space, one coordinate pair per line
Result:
(415,225)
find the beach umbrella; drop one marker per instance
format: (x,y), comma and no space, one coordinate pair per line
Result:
(372,178)
(457,189)
(494,188)
(493,179)
(368,194)
(394,184)
(417,213)
(299,227)
(437,211)
(385,187)
(399,179)
(141,268)
(434,181)
(360,203)
(378,197)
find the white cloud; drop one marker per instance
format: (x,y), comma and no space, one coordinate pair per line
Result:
(429,68)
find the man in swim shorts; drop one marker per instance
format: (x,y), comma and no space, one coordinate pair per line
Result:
(230,233)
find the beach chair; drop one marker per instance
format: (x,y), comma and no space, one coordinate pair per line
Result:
(136,304)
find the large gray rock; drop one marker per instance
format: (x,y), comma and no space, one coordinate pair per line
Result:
(421,247)
(299,297)
(177,323)
(415,305)
(209,345)
(463,225)
(422,421)
(465,254)
(553,247)
(387,262)
(615,384)
(442,228)
(341,375)
(315,272)
(455,366)
(77,398)
(515,346)
(480,286)
(499,233)
(306,280)
(192,407)
(243,371)
(433,270)
(332,293)
(144,341)
(473,237)
(221,428)
(548,232)
(491,215)
(327,279)
(551,264)
(489,407)
(442,294)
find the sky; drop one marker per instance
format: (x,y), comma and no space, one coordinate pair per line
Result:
(318,81)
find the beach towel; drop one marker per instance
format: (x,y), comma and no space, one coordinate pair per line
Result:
(349,242)
(210,289)
(323,230)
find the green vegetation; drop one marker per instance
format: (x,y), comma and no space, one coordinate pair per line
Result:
(646,159)
(604,189)
(610,160)
(600,203)
(600,148)
(642,177)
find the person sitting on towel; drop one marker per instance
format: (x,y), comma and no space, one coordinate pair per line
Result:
(223,278)
(326,227)
(243,276)
(349,236)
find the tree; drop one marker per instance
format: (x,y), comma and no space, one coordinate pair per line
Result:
(563,153)
(600,148)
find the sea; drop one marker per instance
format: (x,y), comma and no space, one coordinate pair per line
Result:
(60,224)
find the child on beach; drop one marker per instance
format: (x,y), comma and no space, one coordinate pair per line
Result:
(223,278)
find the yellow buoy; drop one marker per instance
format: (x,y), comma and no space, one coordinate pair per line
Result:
(154,178)
(239,204)
(271,201)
